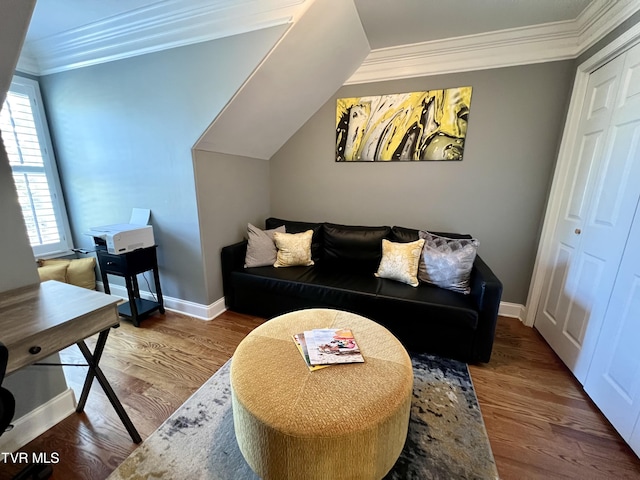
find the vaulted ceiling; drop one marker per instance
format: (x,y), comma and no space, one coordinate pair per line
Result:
(66,34)
(326,44)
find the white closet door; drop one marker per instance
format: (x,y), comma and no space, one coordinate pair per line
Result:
(613,381)
(570,281)
(634,441)
(596,217)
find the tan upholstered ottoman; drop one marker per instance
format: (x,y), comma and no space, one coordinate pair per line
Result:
(344,421)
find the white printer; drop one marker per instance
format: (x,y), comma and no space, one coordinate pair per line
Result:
(122,238)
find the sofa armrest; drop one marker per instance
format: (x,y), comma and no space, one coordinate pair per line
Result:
(232,258)
(487,289)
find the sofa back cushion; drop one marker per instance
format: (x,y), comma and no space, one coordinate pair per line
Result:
(406,235)
(292,226)
(353,247)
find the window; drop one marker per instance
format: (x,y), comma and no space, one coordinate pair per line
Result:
(26,138)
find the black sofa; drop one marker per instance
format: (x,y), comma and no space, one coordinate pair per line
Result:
(424,318)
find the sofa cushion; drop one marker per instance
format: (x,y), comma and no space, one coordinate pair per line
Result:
(78,271)
(293,249)
(400,261)
(344,280)
(261,247)
(269,291)
(353,247)
(404,235)
(447,262)
(427,304)
(292,226)
(56,272)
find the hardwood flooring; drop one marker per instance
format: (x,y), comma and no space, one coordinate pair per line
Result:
(540,423)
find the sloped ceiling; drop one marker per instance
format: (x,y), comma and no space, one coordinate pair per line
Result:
(303,70)
(324,47)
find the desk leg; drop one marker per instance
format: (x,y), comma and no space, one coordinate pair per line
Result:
(96,371)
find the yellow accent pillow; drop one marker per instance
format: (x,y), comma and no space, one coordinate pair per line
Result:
(79,271)
(53,272)
(293,249)
(400,261)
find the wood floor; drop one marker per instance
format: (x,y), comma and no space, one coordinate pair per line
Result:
(540,423)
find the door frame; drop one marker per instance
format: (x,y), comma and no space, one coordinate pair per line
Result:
(624,42)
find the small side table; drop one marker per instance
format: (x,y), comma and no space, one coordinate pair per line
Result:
(129,265)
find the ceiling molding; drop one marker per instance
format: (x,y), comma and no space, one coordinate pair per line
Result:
(600,18)
(518,46)
(159,26)
(173,23)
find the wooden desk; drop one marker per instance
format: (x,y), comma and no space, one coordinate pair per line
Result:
(39,320)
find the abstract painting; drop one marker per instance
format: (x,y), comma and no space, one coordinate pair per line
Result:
(428,125)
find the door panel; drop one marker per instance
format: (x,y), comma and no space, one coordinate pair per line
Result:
(598,212)
(564,308)
(613,381)
(617,173)
(558,277)
(589,149)
(614,201)
(588,275)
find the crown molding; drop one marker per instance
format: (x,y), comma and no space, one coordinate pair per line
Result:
(173,23)
(159,26)
(518,46)
(600,18)
(503,48)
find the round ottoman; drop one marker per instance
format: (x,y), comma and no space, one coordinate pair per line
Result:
(344,421)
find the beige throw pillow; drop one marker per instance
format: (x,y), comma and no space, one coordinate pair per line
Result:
(400,261)
(293,249)
(79,271)
(53,272)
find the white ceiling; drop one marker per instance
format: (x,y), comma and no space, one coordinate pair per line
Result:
(407,37)
(386,22)
(390,23)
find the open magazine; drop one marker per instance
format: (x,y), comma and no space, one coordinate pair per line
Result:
(329,346)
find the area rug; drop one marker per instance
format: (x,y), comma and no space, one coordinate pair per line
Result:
(446,440)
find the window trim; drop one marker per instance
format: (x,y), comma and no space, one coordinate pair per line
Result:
(31,88)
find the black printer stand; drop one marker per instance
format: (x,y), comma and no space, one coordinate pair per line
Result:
(129,265)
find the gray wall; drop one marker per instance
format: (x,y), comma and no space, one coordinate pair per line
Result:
(232,191)
(497,193)
(31,386)
(123,133)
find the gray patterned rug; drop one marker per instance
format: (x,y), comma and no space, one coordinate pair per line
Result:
(446,440)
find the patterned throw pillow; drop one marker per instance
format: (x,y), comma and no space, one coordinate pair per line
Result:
(400,261)
(447,262)
(261,248)
(293,249)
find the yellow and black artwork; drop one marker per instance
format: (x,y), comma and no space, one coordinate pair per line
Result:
(428,125)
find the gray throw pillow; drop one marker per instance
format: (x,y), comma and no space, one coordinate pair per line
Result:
(447,262)
(261,249)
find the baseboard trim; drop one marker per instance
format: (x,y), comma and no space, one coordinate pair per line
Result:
(38,421)
(513,310)
(196,310)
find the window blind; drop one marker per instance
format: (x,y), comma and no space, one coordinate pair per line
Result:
(34,174)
